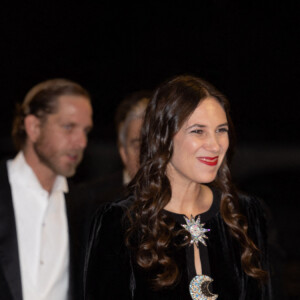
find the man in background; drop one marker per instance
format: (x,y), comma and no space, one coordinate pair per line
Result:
(39,238)
(129,118)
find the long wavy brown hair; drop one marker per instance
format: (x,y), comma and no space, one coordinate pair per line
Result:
(150,234)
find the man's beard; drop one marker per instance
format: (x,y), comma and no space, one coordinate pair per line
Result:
(52,159)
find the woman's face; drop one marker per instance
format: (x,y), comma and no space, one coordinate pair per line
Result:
(200,145)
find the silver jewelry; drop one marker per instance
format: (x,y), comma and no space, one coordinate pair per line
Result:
(195,228)
(199,288)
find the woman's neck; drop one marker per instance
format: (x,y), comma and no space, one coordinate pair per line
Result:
(190,199)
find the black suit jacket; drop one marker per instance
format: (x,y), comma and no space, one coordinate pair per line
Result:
(78,215)
(105,189)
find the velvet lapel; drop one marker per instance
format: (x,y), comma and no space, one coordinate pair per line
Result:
(229,282)
(9,256)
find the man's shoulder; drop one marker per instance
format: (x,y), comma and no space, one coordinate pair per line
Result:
(80,205)
(3,165)
(3,173)
(76,198)
(107,181)
(105,189)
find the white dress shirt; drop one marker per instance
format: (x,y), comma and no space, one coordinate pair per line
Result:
(42,232)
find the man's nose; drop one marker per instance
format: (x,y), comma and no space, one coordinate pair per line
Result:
(81,139)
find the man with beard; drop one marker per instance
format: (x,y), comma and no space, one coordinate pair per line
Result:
(40,213)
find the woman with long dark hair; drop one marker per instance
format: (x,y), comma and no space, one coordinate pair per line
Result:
(183,232)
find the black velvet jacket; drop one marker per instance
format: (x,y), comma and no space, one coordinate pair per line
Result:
(111,272)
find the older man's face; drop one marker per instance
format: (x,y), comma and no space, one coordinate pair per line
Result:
(130,153)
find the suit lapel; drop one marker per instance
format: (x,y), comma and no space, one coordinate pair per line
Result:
(77,214)
(73,243)
(9,256)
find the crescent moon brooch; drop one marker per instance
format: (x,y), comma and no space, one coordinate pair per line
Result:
(195,228)
(199,288)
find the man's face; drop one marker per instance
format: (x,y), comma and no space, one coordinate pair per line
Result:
(63,135)
(131,152)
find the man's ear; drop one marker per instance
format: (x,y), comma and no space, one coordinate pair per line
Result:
(32,126)
(123,155)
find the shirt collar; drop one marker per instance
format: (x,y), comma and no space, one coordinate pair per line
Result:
(22,170)
(126,177)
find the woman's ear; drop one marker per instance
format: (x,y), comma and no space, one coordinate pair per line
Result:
(32,126)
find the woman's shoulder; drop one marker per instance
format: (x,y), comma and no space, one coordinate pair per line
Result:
(113,212)
(251,204)
(248,204)
(257,213)
(107,256)
(109,225)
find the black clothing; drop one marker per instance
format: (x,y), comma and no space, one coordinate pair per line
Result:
(204,217)
(105,189)
(111,272)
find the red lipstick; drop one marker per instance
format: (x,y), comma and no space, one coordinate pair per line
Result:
(210,161)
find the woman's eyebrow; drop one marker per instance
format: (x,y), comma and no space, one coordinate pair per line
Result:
(203,126)
(196,125)
(224,124)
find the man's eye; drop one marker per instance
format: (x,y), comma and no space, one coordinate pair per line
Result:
(136,144)
(68,126)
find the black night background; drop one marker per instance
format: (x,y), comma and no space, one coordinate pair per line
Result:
(247,49)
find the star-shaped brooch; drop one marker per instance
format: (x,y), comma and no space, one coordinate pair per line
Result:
(195,228)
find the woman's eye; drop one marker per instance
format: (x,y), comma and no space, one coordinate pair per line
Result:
(197,131)
(222,130)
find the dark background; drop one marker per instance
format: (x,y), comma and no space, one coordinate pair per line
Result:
(249,50)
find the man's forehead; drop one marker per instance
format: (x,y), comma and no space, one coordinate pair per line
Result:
(73,108)
(134,127)
(72,102)
(71,98)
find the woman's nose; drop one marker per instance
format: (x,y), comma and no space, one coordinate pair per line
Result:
(212,143)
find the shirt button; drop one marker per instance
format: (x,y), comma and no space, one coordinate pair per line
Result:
(41,262)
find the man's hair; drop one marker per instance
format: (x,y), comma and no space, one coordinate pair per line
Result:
(132,107)
(41,101)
